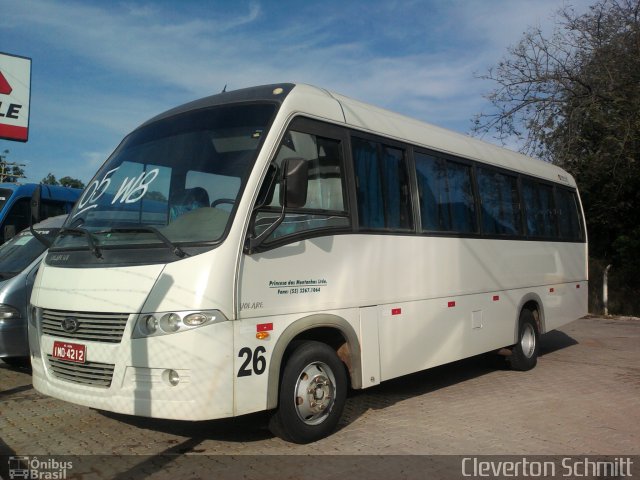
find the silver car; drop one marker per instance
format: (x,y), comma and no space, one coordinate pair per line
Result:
(20,258)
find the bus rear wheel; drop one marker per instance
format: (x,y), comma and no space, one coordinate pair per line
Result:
(524,355)
(312,394)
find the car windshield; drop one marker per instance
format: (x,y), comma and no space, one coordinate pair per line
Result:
(173,181)
(21,250)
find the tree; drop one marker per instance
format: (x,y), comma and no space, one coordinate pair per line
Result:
(10,171)
(71,182)
(573,98)
(50,179)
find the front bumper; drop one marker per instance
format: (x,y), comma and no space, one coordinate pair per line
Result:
(134,374)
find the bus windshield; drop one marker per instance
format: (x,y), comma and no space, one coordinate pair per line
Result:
(172,181)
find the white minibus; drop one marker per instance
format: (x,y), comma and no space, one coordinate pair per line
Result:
(271,247)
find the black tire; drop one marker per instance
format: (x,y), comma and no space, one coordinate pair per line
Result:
(313,391)
(524,354)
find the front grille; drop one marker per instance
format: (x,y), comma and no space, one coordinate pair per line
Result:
(89,373)
(96,327)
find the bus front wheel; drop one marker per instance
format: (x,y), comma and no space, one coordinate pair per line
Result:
(524,355)
(312,394)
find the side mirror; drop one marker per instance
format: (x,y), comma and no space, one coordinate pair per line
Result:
(295,179)
(35,205)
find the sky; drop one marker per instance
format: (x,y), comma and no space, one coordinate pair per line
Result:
(101,68)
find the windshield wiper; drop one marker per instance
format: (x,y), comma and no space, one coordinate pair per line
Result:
(90,238)
(176,250)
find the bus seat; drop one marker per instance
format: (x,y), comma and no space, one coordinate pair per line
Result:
(187,200)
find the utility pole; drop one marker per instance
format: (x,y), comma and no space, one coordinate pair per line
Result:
(605,290)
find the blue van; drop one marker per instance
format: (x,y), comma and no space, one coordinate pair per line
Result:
(15,206)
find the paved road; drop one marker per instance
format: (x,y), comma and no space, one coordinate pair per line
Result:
(583,398)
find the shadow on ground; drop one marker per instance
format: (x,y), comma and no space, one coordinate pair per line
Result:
(254,427)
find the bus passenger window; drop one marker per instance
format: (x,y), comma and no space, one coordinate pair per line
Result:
(382,184)
(446,195)
(568,215)
(539,209)
(499,202)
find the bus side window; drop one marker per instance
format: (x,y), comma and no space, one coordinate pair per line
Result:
(325,206)
(382,184)
(569,219)
(539,209)
(446,195)
(500,204)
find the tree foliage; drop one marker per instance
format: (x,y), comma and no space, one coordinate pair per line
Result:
(50,179)
(573,98)
(71,182)
(10,172)
(67,181)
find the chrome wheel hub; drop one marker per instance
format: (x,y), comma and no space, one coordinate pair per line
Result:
(528,341)
(315,393)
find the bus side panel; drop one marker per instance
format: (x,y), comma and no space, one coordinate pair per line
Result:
(419,335)
(435,295)
(370,346)
(564,303)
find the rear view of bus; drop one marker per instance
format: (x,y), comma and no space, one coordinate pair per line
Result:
(268,248)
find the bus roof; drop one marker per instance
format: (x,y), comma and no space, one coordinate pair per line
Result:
(320,103)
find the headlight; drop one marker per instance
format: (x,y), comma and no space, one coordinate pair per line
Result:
(165,323)
(170,322)
(148,325)
(7,311)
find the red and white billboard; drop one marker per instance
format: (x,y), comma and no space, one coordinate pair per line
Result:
(15,94)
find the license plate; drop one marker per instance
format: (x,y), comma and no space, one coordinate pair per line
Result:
(70,352)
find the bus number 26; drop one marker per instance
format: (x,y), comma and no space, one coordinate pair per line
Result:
(253,359)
